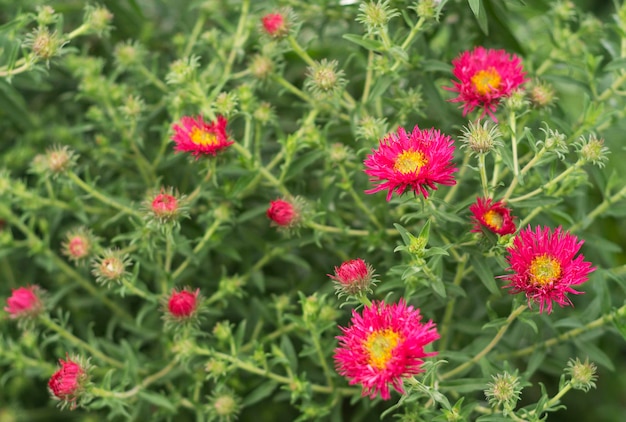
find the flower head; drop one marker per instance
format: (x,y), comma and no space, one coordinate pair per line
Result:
(417,161)
(275,25)
(485,76)
(67,383)
(183,304)
(25,302)
(545,267)
(492,215)
(382,346)
(165,206)
(198,137)
(78,244)
(110,266)
(285,213)
(353,277)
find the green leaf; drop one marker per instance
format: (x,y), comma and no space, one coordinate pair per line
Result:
(486,276)
(364,42)
(594,354)
(262,391)
(478,8)
(157,400)
(617,64)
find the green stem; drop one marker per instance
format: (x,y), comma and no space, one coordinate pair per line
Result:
(349,232)
(78,342)
(409,39)
(512,124)
(153,78)
(262,170)
(135,390)
(300,51)
(603,320)
(207,236)
(600,209)
(291,88)
(357,199)
(459,369)
(453,190)
(525,170)
(549,184)
(449,312)
(101,197)
(483,175)
(368,77)
(195,33)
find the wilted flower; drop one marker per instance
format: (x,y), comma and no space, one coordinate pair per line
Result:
(415,161)
(545,266)
(382,346)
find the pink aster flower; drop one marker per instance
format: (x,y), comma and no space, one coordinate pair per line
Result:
(183,304)
(25,302)
(353,277)
(275,24)
(382,346)
(545,267)
(416,161)
(485,76)
(198,137)
(492,215)
(68,383)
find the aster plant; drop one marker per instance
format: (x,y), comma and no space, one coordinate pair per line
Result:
(332,211)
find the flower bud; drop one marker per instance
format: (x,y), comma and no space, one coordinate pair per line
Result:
(216,368)
(98,19)
(45,16)
(481,139)
(338,153)
(276,25)
(353,277)
(583,374)
(375,15)
(183,304)
(542,94)
(504,391)
(264,113)
(222,332)
(57,160)
(323,78)
(165,207)
(261,67)
(593,150)
(427,9)
(129,54)
(45,44)
(371,129)
(182,70)
(284,213)
(516,101)
(68,383)
(110,267)
(25,303)
(226,103)
(132,108)
(225,405)
(78,244)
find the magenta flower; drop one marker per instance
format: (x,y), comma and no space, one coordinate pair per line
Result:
(494,216)
(353,277)
(485,76)
(417,161)
(382,346)
(25,302)
(183,304)
(545,267)
(196,136)
(68,382)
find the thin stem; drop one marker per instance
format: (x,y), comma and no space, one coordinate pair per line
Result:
(78,342)
(584,222)
(300,51)
(409,39)
(349,232)
(603,320)
(135,390)
(195,33)
(449,312)
(551,183)
(357,199)
(368,77)
(101,197)
(262,170)
(291,88)
(453,190)
(525,170)
(207,236)
(153,78)
(483,175)
(512,124)
(517,312)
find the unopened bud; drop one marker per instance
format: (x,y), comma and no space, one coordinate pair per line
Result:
(45,16)
(110,267)
(516,101)
(264,113)
(276,25)
(129,54)
(371,129)
(261,67)
(98,19)
(59,159)
(182,70)
(375,15)
(504,391)
(427,9)
(78,244)
(593,150)
(226,103)
(542,95)
(583,374)
(45,44)
(481,139)
(225,405)
(323,78)
(353,277)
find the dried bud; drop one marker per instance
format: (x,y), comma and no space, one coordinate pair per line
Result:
(285,213)
(69,382)
(481,139)
(583,374)
(276,25)
(56,160)
(98,19)
(45,44)
(593,150)
(110,267)
(183,304)
(261,67)
(375,15)
(78,244)
(25,303)
(542,94)
(225,405)
(504,391)
(353,277)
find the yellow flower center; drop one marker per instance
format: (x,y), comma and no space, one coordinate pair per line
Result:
(544,270)
(493,219)
(486,81)
(409,162)
(379,346)
(203,138)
